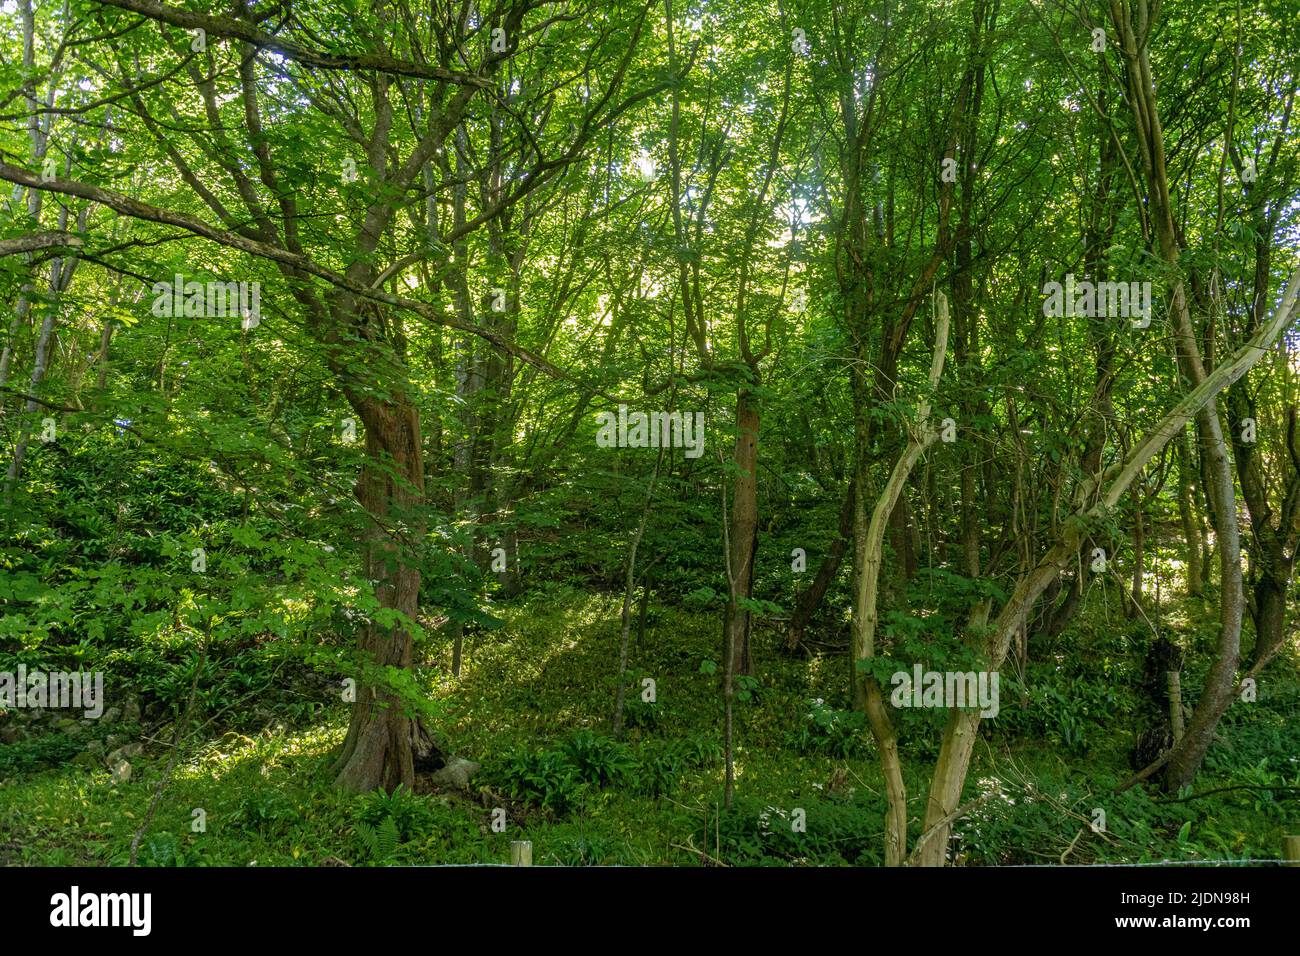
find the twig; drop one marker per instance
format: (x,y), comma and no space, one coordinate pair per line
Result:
(712,861)
(1069,848)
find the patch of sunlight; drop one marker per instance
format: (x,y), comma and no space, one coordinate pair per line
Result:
(1162,579)
(233,750)
(295,609)
(822,665)
(992,786)
(738,764)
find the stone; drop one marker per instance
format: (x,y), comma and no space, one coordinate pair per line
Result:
(121,754)
(455,775)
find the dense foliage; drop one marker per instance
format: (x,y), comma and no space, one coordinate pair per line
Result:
(444,425)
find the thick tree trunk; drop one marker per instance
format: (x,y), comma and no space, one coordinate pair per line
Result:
(383,741)
(1068,609)
(946,786)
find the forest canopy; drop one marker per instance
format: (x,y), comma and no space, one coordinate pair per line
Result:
(687,433)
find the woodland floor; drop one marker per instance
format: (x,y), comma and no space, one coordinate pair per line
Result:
(533,703)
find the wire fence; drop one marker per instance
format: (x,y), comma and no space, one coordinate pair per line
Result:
(1010,866)
(1086,866)
(522,851)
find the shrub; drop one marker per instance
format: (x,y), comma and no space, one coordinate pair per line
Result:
(265,811)
(661,765)
(837,833)
(559,777)
(411,814)
(826,730)
(25,756)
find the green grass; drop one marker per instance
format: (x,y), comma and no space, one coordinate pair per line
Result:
(540,689)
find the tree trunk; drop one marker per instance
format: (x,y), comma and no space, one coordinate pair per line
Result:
(811,599)
(959,736)
(744,530)
(1068,609)
(383,741)
(629,586)
(1134,24)
(1189,519)
(1270,614)
(1139,547)
(869,542)
(946,786)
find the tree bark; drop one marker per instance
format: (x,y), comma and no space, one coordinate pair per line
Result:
(744,529)
(1139,548)
(629,586)
(869,545)
(378,751)
(1193,535)
(1134,23)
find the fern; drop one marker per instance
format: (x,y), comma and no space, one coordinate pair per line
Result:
(380,842)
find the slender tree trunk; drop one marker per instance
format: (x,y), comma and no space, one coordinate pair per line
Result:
(811,599)
(869,546)
(959,736)
(629,586)
(61,271)
(11,341)
(105,338)
(1139,547)
(744,529)
(1190,520)
(1134,24)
